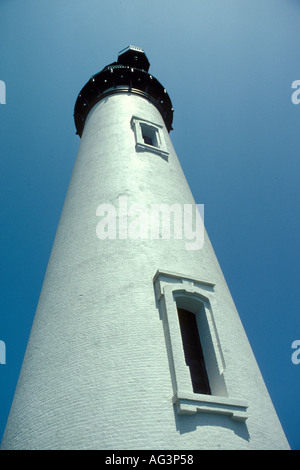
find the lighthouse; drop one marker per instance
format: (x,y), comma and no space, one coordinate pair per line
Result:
(136,342)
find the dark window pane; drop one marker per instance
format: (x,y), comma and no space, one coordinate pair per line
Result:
(193,351)
(147,140)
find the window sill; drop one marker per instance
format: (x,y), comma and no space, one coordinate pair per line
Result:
(151,148)
(189,404)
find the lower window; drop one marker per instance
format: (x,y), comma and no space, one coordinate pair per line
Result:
(193,351)
(197,365)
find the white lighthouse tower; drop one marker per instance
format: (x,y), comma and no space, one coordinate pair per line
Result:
(136,342)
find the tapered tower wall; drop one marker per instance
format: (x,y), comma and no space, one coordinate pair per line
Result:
(105,367)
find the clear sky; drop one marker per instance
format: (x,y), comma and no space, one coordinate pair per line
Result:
(228,67)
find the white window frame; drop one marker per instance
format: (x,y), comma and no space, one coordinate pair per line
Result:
(168,287)
(160,147)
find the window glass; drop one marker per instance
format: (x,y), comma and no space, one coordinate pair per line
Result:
(193,351)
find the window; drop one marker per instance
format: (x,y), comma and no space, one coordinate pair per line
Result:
(149,137)
(193,351)
(147,140)
(197,366)
(201,349)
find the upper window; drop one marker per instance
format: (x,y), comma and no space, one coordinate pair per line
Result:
(149,137)
(149,134)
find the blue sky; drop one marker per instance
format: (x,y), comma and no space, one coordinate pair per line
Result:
(228,68)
